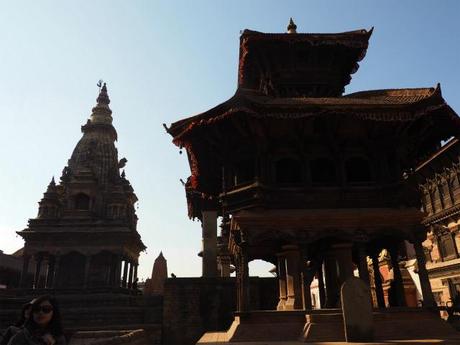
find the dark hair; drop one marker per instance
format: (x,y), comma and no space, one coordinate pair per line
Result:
(55,326)
(22,318)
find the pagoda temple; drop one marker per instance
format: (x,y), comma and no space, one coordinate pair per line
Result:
(306,177)
(85,236)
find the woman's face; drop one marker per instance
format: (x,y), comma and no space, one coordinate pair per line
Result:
(43,313)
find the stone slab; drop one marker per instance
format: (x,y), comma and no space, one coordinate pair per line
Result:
(357,310)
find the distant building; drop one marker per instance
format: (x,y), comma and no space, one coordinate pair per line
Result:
(439,181)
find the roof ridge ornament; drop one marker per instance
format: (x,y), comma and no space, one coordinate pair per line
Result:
(291,28)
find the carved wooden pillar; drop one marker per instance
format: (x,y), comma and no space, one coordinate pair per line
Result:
(25,271)
(378,281)
(428,299)
(398,281)
(125,273)
(282,281)
(38,260)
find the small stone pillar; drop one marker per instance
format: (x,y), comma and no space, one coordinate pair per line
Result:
(293,284)
(209,244)
(38,260)
(357,311)
(428,299)
(130,278)
(125,273)
(25,271)
(156,283)
(50,273)
(378,281)
(57,264)
(282,281)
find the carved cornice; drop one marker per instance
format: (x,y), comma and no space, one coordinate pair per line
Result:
(442,215)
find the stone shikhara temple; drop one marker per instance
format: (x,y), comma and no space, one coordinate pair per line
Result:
(311,179)
(84,236)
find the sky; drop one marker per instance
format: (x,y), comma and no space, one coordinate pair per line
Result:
(164,61)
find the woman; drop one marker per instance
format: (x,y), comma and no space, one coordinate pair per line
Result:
(44,325)
(12,330)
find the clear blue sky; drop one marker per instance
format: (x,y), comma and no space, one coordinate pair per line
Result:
(164,61)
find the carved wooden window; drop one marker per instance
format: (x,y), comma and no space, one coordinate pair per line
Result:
(288,171)
(447,247)
(323,172)
(82,202)
(358,170)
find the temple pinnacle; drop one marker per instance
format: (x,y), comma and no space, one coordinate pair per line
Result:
(101,112)
(103,97)
(292,28)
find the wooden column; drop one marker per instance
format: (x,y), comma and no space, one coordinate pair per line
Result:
(25,271)
(245,298)
(209,244)
(306,277)
(38,260)
(428,299)
(281,281)
(378,281)
(331,275)
(322,290)
(398,281)
(293,284)
(362,263)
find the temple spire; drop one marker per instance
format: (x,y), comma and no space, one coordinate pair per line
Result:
(292,28)
(101,112)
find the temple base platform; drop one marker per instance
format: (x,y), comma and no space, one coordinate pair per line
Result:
(325,326)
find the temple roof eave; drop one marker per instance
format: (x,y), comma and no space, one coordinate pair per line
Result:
(405,105)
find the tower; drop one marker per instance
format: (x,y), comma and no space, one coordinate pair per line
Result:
(85,230)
